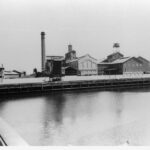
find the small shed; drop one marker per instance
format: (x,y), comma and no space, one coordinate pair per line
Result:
(11,75)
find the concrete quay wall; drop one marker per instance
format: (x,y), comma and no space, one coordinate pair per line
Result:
(101,84)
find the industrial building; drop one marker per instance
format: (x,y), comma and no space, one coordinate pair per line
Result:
(120,65)
(53,65)
(71,54)
(115,63)
(11,75)
(86,65)
(145,64)
(50,65)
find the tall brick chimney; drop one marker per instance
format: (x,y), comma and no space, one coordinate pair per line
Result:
(42,51)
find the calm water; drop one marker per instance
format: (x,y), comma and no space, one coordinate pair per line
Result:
(81,118)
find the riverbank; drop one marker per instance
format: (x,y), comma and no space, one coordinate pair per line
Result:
(41,85)
(73,78)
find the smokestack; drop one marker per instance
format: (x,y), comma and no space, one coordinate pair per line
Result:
(69,48)
(43,51)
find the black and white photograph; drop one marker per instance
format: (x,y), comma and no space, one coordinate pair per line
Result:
(75,73)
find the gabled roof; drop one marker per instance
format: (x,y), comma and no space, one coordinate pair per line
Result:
(120,60)
(81,58)
(20,71)
(87,55)
(10,73)
(143,59)
(115,54)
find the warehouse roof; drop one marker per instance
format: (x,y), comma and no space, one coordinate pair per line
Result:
(10,73)
(143,59)
(115,54)
(120,60)
(81,58)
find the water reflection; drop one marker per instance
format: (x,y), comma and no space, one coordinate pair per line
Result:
(81,118)
(53,115)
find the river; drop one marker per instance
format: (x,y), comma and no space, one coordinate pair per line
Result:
(81,118)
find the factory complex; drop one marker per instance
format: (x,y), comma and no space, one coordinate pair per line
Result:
(115,63)
(72,72)
(72,65)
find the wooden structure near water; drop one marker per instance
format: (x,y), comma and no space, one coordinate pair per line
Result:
(48,87)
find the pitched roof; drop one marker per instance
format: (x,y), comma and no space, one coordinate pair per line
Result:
(120,60)
(10,73)
(87,55)
(81,58)
(143,59)
(115,54)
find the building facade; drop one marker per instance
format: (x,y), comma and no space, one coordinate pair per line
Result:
(145,63)
(86,65)
(124,65)
(53,66)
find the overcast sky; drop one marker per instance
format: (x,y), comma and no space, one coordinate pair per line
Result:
(91,26)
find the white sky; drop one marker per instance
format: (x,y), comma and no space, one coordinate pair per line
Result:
(91,26)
